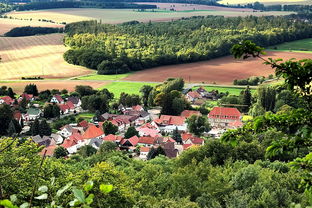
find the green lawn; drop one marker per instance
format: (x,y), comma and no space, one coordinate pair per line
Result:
(231,90)
(304,45)
(85,116)
(103,77)
(127,87)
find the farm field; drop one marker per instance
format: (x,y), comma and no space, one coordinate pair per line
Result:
(127,87)
(102,77)
(123,15)
(221,71)
(265,1)
(304,45)
(235,90)
(7,24)
(18,87)
(36,56)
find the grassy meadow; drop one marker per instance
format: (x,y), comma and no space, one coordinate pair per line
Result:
(232,90)
(103,77)
(127,87)
(302,46)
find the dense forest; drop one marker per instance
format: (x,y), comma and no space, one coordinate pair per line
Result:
(28,31)
(135,46)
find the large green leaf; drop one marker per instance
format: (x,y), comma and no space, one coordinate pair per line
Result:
(42,197)
(62,190)
(88,186)
(105,189)
(43,189)
(7,203)
(78,193)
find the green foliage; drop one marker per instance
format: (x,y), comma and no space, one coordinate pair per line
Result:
(60,152)
(31,89)
(109,128)
(51,111)
(131,131)
(198,125)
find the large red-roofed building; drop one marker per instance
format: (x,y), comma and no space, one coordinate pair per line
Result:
(222,116)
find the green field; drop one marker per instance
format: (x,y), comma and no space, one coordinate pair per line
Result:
(231,90)
(103,77)
(304,45)
(127,87)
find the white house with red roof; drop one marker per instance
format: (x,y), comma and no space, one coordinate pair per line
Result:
(113,138)
(147,141)
(221,117)
(169,123)
(192,96)
(93,132)
(6,100)
(28,97)
(57,99)
(133,141)
(189,113)
(144,152)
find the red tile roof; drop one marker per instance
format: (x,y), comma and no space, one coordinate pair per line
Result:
(70,105)
(50,150)
(145,149)
(83,124)
(236,123)
(112,138)
(27,96)
(63,107)
(148,132)
(59,98)
(189,113)
(196,140)
(69,143)
(186,146)
(92,132)
(7,100)
(194,94)
(133,141)
(76,136)
(170,120)
(224,113)
(147,140)
(186,136)
(137,108)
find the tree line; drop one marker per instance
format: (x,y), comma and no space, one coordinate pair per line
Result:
(29,31)
(133,46)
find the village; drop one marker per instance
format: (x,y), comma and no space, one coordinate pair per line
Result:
(149,130)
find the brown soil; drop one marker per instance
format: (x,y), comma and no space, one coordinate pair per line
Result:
(18,87)
(219,71)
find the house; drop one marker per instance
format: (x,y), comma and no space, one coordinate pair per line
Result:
(84,124)
(189,113)
(123,125)
(48,151)
(74,100)
(57,99)
(137,108)
(221,117)
(169,123)
(113,138)
(64,108)
(192,96)
(71,106)
(58,139)
(201,90)
(235,124)
(147,141)
(6,100)
(94,142)
(66,130)
(133,141)
(27,97)
(32,114)
(190,139)
(41,141)
(93,132)
(144,152)
(170,149)
(70,144)
(216,132)
(18,116)
(147,132)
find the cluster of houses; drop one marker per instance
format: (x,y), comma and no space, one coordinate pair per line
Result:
(150,132)
(34,111)
(151,126)
(200,96)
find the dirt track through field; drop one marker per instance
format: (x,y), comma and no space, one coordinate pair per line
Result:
(36,56)
(218,71)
